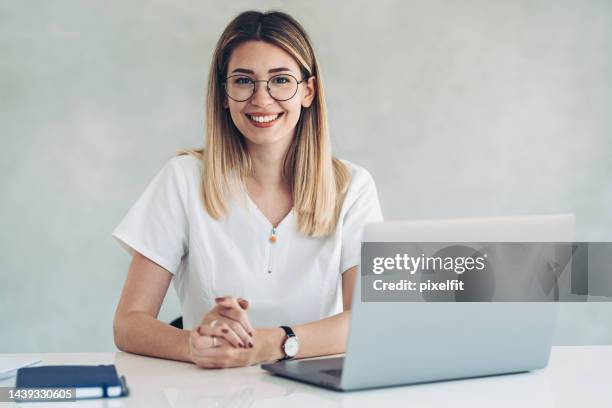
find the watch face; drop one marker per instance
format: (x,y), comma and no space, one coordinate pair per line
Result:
(291,346)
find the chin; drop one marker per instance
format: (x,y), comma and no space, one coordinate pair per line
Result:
(263,137)
(263,140)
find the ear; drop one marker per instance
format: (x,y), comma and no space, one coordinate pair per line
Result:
(309,94)
(225,102)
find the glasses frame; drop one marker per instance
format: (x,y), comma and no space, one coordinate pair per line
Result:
(254,83)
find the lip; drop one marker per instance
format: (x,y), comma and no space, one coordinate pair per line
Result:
(263,124)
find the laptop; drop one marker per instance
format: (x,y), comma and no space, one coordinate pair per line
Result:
(397,343)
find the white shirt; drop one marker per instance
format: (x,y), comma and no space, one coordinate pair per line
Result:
(295,280)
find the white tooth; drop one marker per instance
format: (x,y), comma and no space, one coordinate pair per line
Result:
(262,119)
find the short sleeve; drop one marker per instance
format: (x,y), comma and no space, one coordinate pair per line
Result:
(156,225)
(364,208)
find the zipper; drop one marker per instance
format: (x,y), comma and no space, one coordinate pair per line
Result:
(271,241)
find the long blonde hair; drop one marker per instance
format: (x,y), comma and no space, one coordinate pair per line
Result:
(318,181)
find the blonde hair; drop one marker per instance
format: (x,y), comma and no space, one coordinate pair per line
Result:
(318,181)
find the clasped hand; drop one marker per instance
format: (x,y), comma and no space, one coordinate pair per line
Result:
(225,337)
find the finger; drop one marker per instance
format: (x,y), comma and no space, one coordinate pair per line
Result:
(209,363)
(221,330)
(198,341)
(227,301)
(235,311)
(206,361)
(238,304)
(236,328)
(232,309)
(202,338)
(223,357)
(206,352)
(243,327)
(244,304)
(244,336)
(238,314)
(221,341)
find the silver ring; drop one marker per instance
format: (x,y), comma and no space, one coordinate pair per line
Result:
(214,339)
(212,324)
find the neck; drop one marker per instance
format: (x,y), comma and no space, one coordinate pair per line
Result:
(267,164)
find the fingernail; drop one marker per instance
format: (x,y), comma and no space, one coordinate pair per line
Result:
(225,330)
(199,330)
(251,334)
(250,345)
(241,345)
(219,299)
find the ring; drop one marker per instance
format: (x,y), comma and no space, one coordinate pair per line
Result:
(212,324)
(214,339)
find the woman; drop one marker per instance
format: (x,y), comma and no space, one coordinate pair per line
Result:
(260,230)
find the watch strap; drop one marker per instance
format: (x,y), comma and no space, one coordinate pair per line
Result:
(288,331)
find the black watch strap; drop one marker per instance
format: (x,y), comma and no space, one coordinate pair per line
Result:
(288,331)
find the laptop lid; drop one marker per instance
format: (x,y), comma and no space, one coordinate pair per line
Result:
(393,343)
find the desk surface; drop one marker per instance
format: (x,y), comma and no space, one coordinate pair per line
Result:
(575,377)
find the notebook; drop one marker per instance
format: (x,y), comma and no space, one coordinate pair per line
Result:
(99,381)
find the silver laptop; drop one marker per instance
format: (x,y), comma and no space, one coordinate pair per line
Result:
(410,342)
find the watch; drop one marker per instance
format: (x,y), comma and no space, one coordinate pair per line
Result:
(290,345)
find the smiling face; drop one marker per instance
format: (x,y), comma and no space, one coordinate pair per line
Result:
(262,119)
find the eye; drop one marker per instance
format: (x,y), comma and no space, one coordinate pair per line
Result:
(241,80)
(281,80)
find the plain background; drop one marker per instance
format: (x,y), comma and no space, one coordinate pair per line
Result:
(456,108)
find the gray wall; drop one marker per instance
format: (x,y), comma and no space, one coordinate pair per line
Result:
(457,109)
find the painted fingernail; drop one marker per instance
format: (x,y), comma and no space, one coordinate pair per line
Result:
(219,299)
(251,334)
(241,345)
(199,330)
(225,330)
(250,345)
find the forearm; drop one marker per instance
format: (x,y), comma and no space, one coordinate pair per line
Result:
(140,333)
(318,338)
(323,337)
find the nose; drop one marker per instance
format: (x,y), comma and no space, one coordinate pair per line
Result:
(261,97)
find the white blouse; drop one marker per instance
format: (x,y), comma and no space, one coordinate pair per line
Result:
(295,280)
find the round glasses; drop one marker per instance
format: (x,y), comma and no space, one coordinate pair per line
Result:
(281,87)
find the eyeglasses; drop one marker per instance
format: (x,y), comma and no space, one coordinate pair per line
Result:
(281,87)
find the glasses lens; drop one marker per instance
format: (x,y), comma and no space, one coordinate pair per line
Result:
(282,87)
(239,88)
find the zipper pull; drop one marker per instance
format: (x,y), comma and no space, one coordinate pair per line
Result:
(273,236)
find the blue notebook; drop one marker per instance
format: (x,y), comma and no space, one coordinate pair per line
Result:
(99,381)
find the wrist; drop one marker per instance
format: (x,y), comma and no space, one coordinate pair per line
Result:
(269,342)
(186,346)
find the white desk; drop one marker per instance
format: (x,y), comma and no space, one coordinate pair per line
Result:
(576,377)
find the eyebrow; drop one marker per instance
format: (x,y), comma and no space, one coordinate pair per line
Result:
(250,71)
